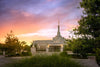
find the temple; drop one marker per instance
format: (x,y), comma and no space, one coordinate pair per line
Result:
(54,45)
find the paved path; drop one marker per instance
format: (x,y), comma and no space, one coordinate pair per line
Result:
(5,60)
(87,62)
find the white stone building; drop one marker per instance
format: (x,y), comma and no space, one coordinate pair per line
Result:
(54,45)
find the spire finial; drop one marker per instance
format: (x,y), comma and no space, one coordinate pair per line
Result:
(58,22)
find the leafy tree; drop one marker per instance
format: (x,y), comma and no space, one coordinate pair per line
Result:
(25,49)
(89,27)
(90,21)
(12,44)
(81,46)
(67,47)
(23,43)
(97,42)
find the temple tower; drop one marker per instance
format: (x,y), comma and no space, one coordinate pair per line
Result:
(58,33)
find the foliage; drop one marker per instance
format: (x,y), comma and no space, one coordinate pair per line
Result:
(12,43)
(2,47)
(14,47)
(67,47)
(26,54)
(90,21)
(46,61)
(88,29)
(64,54)
(82,46)
(89,24)
(69,44)
(97,50)
(97,42)
(25,48)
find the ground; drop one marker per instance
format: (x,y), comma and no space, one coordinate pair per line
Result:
(84,62)
(87,62)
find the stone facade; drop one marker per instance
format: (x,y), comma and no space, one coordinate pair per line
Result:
(56,43)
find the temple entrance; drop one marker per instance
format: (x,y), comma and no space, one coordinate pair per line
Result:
(54,48)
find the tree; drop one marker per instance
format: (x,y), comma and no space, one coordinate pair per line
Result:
(3,48)
(67,47)
(25,49)
(89,25)
(90,21)
(12,44)
(81,46)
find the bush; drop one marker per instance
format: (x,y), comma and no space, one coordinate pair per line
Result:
(26,54)
(11,54)
(91,54)
(19,54)
(64,54)
(82,46)
(98,55)
(45,61)
(1,53)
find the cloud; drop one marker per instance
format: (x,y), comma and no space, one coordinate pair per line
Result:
(33,17)
(43,32)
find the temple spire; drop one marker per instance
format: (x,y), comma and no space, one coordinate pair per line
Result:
(58,33)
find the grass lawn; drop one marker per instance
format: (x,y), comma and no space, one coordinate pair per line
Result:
(45,61)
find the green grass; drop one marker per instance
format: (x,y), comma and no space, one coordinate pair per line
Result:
(45,61)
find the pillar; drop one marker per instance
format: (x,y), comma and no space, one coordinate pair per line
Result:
(33,50)
(61,49)
(47,49)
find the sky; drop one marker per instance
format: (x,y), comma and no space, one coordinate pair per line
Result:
(38,19)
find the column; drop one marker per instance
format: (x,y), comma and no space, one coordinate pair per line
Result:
(61,49)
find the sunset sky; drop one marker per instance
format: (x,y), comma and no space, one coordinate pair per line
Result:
(38,19)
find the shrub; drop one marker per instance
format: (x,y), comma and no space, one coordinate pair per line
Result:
(98,55)
(11,54)
(45,61)
(64,54)
(26,54)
